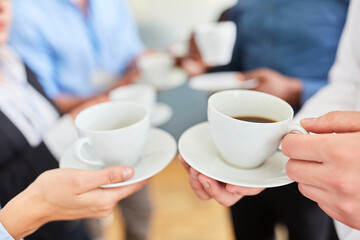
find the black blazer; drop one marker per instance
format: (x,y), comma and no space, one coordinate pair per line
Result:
(21,164)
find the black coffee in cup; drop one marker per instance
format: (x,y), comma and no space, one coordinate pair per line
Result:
(255,119)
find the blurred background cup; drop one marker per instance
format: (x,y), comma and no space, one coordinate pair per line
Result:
(215,42)
(248,144)
(155,67)
(114,132)
(141,93)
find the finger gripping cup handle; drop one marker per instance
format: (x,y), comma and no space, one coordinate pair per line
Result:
(294,128)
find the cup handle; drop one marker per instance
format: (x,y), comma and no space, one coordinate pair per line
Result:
(297,128)
(77,149)
(294,127)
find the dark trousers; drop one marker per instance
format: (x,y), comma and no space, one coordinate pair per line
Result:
(254,217)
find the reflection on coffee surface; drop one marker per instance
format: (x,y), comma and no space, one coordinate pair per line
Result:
(255,119)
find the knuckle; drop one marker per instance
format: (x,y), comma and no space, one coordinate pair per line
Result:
(330,118)
(347,208)
(291,169)
(302,190)
(225,204)
(332,114)
(216,195)
(345,185)
(249,192)
(286,146)
(114,177)
(197,188)
(335,153)
(79,181)
(107,204)
(203,196)
(194,184)
(104,214)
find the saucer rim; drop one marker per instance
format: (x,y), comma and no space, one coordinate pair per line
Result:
(172,151)
(286,180)
(192,81)
(164,87)
(165,120)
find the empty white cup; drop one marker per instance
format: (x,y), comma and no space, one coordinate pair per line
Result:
(155,67)
(139,92)
(216,42)
(115,132)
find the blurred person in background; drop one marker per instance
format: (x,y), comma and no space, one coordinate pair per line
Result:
(289,46)
(326,164)
(64,194)
(79,49)
(33,132)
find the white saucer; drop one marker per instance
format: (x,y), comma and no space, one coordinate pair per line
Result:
(199,151)
(176,78)
(213,82)
(159,151)
(160,114)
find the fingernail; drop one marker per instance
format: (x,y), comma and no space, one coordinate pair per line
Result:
(127,173)
(295,132)
(308,120)
(205,184)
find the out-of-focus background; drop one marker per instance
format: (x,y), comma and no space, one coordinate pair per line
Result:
(161,23)
(177,213)
(83,50)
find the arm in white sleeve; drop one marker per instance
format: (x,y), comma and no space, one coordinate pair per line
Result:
(4,235)
(60,136)
(343,92)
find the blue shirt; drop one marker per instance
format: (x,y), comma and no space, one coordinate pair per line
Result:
(297,38)
(65,48)
(4,235)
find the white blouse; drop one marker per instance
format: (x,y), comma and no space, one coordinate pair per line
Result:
(30,111)
(343,91)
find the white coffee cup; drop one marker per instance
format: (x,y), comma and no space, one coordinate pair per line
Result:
(114,132)
(142,93)
(155,67)
(216,42)
(248,144)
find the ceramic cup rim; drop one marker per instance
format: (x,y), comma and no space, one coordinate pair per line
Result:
(119,103)
(215,110)
(146,62)
(205,28)
(132,87)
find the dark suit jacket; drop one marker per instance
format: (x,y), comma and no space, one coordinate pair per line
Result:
(21,164)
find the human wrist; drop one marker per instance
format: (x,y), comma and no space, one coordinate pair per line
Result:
(23,215)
